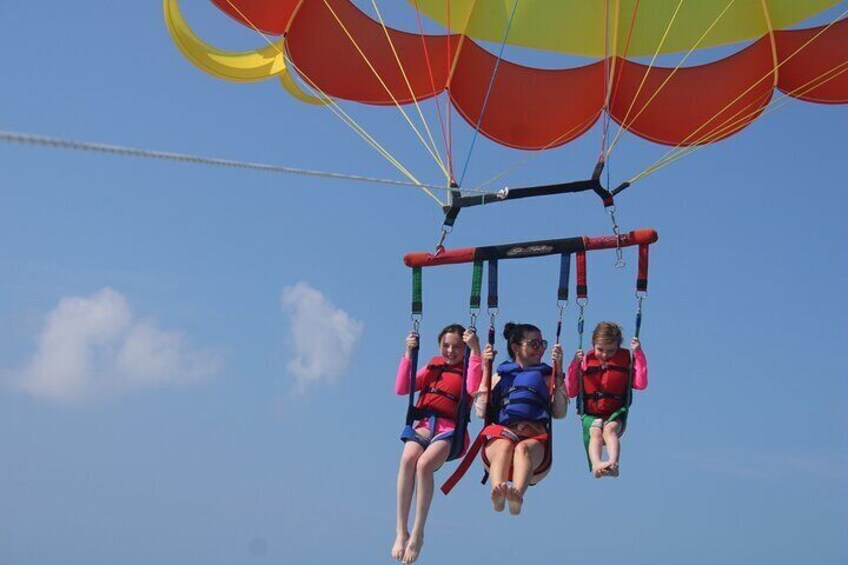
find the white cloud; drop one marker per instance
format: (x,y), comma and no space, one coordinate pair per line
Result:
(94,345)
(323,336)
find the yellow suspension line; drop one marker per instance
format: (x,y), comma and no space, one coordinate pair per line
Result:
(411,92)
(773,72)
(345,117)
(534,155)
(388,91)
(610,71)
(773,107)
(339,112)
(624,124)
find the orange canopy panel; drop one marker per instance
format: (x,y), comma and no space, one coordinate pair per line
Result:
(346,54)
(342,52)
(268,16)
(527,108)
(694,105)
(814,63)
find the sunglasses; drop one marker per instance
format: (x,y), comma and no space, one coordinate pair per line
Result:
(536,343)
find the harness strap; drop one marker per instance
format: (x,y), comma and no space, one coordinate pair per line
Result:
(531,401)
(444,369)
(463,413)
(599,395)
(487,433)
(440,392)
(600,368)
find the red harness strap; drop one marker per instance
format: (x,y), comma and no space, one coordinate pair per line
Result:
(489,432)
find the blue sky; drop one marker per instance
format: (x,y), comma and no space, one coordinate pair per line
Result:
(197,362)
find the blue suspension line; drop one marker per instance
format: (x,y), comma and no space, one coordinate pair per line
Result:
(488,92)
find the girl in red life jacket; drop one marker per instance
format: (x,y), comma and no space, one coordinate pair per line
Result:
(518,444)
(440,383)
(604,375)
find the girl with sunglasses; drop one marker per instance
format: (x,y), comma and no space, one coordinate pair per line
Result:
(520,400)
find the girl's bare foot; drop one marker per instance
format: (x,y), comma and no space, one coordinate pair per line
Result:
(399,546)
(600,470)
(499,497)
(413,548)
(613,470)
(516,499)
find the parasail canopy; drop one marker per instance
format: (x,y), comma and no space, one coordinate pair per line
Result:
(326,50)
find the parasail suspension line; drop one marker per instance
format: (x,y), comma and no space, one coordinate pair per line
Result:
(386,88)
(435,150)
(608,102)
(335,108)
(645,77)
(685,147)
(445,133)
(488,91)
(532,156)
(627,123)
(359,130)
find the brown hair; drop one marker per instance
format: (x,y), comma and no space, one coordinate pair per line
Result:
(608,333)
(451,329)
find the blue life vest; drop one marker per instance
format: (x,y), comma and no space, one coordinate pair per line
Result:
(521,394)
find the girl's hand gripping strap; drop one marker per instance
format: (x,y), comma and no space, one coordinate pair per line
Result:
(641,295)
(417,308)
(408,432)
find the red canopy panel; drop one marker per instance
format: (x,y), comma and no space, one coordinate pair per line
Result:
(531,108)
(528,108)
(699,104)
(326,57)
(819,71)
(269,17)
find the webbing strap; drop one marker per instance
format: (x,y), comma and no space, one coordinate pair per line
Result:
(417,303)
(638,320)
(564,276)
(487,417)
(582,287)
(642,277)
(413,370)
(476,285)
(462,412)
(492,299)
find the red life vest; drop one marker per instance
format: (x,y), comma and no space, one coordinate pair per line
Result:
(442,388)
(605,384)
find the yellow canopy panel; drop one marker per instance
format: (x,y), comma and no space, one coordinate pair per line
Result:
(579,27)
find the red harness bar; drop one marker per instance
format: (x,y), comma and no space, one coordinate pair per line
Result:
(530,249)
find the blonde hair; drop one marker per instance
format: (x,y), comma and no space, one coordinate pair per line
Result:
(607,332)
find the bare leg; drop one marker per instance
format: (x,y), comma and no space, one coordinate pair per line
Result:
(499,453)
(596,442)
(528,455)
(613,446)
(433,458)
(405,486)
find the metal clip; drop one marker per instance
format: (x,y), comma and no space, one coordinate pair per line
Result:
(473,323)
(619,255)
